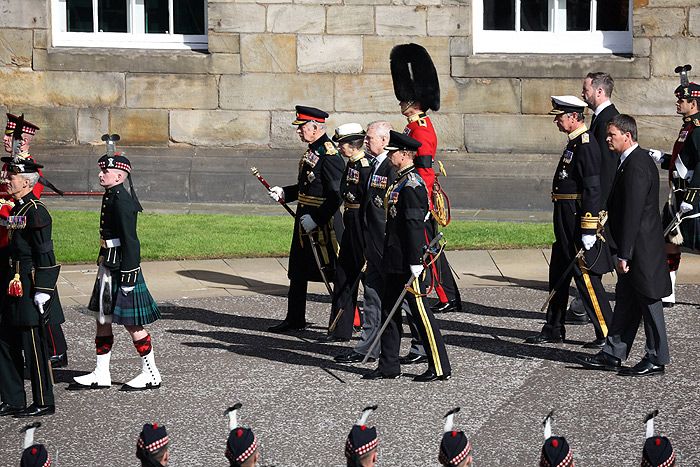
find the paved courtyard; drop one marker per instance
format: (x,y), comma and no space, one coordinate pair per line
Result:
(213,350)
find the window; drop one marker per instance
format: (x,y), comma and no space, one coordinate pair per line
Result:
(156,24)
(553,26)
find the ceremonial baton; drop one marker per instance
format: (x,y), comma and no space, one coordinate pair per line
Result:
(398,302)
(267,185)
(334,324)
(561,279)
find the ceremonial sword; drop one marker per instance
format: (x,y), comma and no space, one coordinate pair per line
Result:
(312,240)
(399,300)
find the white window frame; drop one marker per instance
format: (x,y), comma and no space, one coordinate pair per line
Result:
(135,38)
(555,41)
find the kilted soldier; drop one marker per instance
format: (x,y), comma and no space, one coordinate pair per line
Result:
(317,220)
(373,219)
(152,447)
(120,295)
(361,444)
(19,134)
(417,88)
(351,260)
(406,205)
(455,447)
(242,444)
(577,204)
(683,166)
(31,300)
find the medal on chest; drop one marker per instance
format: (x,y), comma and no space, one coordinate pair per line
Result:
(353,176)
(563,174)
(378,182)
(567,156)
(16,222)
(349,197)
(310,176)
(378,202)
(310,159)
(682,136)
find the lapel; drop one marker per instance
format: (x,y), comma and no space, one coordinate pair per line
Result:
(621,168)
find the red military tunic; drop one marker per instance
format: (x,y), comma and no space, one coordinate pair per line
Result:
(421,128)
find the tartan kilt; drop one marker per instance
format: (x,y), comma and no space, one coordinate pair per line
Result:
(135,309)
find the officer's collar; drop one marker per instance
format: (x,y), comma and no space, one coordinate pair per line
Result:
(416,117)
(690,118)
(319,142)
(406,170)
(114,188)
(577,132)
(26,198)
(357,156)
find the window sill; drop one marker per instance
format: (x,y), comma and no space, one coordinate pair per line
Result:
(135,61)
(547,66)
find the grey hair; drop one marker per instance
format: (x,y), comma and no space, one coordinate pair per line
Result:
(32,177)
(381,126)
(318,125)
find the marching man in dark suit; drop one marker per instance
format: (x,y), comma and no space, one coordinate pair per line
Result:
(577,203)
(317,192)
(637,237)
(406,204)
(31,300)
(120,295)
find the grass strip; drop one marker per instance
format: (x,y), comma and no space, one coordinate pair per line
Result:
(205,236)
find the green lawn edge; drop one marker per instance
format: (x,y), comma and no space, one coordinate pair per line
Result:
(210,236)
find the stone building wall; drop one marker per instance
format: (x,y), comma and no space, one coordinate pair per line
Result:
(266,56)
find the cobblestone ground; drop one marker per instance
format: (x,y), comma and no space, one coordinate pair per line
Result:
(214,352)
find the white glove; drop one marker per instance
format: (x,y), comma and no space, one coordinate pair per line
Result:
(126,290)
(588,241)
(416,270)
(686,207)
(656,155)
(277,193)
(307,223)
(39,299)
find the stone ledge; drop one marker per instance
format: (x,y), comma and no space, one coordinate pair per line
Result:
(551,66)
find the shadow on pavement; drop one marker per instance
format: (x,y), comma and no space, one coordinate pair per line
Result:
(517,350)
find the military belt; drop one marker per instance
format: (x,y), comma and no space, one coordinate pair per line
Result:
(110,242)
(352,205)
(310,200)
(565,196)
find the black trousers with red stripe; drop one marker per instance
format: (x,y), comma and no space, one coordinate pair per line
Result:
(55,340)
(425,322)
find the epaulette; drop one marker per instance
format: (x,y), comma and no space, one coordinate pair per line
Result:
(330,149)
(696,122)
(364,162)
(585,138)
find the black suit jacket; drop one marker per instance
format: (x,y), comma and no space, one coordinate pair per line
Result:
(373,214)
(609,160)
(635,224)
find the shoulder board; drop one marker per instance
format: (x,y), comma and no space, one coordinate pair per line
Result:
(330,149)
(585,138)
(364,162)
(696,122)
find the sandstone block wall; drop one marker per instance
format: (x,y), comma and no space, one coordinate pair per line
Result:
(265,56)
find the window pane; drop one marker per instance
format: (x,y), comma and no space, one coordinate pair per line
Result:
(578,15)
(79,16)
(499,15)
(533,15)
(157,19)
(111,15)
(188,16)
(612,15)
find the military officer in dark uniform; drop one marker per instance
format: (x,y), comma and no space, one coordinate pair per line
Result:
(406,205)
(317,192)
(351,260)
(31,300)
(683,166)
(577,203)
(637,238)
(120,294)
(373,219)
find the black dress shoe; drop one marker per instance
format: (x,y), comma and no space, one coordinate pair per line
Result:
(376,374)
(643,368)
(59,361)
(446,307)
(411,358)
(36,411)
(600,361)
(430,375)
(544,339)
(595,344)
(7,409)
(330,338)
(285,326)
(352,357)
